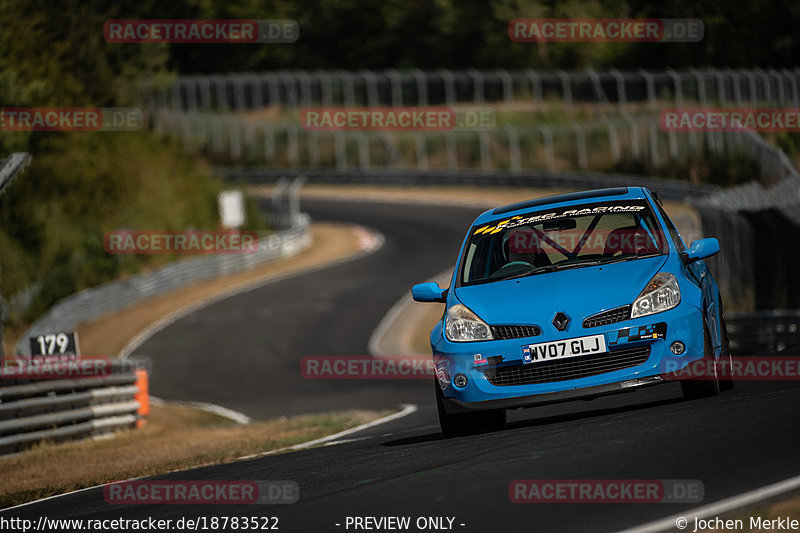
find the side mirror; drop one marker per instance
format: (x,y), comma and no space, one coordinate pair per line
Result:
(428,292)
(701,249)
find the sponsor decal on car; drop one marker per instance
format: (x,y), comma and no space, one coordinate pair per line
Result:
(536,216)
(637,333)
(480,360)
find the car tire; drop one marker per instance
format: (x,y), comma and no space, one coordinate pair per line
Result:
(703,388)
(725,357)
(458,425)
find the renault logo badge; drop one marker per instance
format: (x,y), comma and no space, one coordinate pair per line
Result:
(560,321)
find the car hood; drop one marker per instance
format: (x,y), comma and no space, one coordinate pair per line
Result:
(578,292)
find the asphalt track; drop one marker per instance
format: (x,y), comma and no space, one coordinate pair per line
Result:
(244,352)
(731,443)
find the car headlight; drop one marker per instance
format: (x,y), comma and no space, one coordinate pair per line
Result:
(661,294)
(462,325)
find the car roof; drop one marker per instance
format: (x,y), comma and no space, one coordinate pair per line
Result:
(564,200)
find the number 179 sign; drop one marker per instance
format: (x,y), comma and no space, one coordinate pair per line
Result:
(55,344)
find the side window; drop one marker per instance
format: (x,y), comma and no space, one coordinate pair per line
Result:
(676,237)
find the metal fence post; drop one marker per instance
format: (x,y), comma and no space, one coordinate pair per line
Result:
(326,81)
(634,129)
(508,86)
(655,154)
(486,154)
(651,90)
(269,143)
(536,86)
(513,149)
(452,150)
(292,144)
(622,99)
(348,88)
(422,151)
(677,83)
(580,140)
(422,87)
(566,89)
(371,83)
(363,151)
(597,86)
(613,140)
(793,83)
(392,154)
(477,86)
(449,87)
(397,87)
(547,136)
(341,150)
(313,148)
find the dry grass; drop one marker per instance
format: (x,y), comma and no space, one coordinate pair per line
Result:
(175,438)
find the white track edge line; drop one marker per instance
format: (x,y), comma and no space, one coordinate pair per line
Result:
(406,409)
(715,509)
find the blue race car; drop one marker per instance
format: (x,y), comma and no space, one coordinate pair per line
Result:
(573,297)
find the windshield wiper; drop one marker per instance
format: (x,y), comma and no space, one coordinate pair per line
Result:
(552,268)
(564,265)
(580,262)
(533,270)
(631,257)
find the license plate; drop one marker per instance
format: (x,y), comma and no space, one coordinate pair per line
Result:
(550,351)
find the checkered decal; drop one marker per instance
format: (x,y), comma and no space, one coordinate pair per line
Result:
(650,331)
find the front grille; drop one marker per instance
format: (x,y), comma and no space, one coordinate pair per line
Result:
(514,332)
(565,369)
(608,317)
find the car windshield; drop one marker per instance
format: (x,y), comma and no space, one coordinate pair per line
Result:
(557,239)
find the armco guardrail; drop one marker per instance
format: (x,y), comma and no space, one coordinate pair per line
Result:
(758,226)
(11,166)
(32,410)
(114,296)
(667,188)
(765,333)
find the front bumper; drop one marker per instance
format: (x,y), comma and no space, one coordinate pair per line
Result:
(480,362)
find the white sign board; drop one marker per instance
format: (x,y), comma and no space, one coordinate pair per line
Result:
(231,208)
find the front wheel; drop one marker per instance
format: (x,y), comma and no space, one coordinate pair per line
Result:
(467,423)
(706,385)
(726,358)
